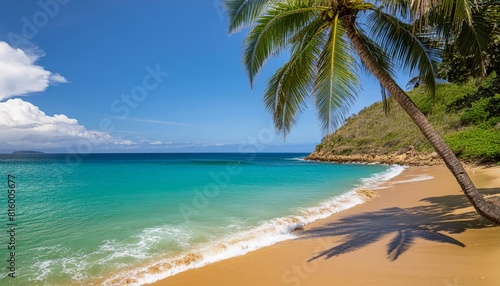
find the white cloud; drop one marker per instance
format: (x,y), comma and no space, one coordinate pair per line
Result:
(57,78)
(159,121)
(25,126)
(19,75)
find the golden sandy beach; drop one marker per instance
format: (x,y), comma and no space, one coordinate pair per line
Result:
(414,233)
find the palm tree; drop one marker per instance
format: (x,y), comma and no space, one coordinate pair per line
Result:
(330,40)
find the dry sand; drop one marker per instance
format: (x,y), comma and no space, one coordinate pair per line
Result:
(414,233)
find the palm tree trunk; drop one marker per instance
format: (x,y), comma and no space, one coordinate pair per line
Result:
(485,208)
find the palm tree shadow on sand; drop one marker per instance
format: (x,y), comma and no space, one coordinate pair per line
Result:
(430,222)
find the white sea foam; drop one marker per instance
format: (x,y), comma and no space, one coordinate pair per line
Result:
(112,253)
(72,264)
(414,179)
(296,159)
(267,233)
(377,179)
(43,269)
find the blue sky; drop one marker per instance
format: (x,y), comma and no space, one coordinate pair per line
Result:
(135,76)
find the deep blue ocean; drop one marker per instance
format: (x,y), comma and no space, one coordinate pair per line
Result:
(105,218)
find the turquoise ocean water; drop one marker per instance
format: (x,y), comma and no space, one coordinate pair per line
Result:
(134,218)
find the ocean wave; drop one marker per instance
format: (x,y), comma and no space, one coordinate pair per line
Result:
(67,264)
(267,233)
(376,180)
(62,261)
(414,179)
(244,161)
(296,159)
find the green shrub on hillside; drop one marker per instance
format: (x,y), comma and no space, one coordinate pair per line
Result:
(476,144)
(465,99)
(478,113)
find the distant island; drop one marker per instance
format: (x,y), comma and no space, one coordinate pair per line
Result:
(27,152)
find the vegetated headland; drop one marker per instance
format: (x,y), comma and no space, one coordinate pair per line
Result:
(467,116)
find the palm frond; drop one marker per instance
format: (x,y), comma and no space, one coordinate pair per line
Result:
(461,24)
(386,100)
(287,90)
(384,62)
(273,32)
(243,13)
(336,83)
(450,12)
(377,53)
(401,8)
(455,12)
(413,52)
(473,40)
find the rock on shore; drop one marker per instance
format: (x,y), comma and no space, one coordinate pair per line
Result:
(408,158)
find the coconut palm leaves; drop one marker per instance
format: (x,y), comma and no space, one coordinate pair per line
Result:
(288,89)
(273,32)
(460,22)
(242,13)
(413,52)
(322,63)
(336,84)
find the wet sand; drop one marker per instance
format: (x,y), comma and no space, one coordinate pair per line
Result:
(414,233)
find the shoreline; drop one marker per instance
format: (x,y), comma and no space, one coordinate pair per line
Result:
(267,233)
(405,235)
(405,159)
(410,158)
